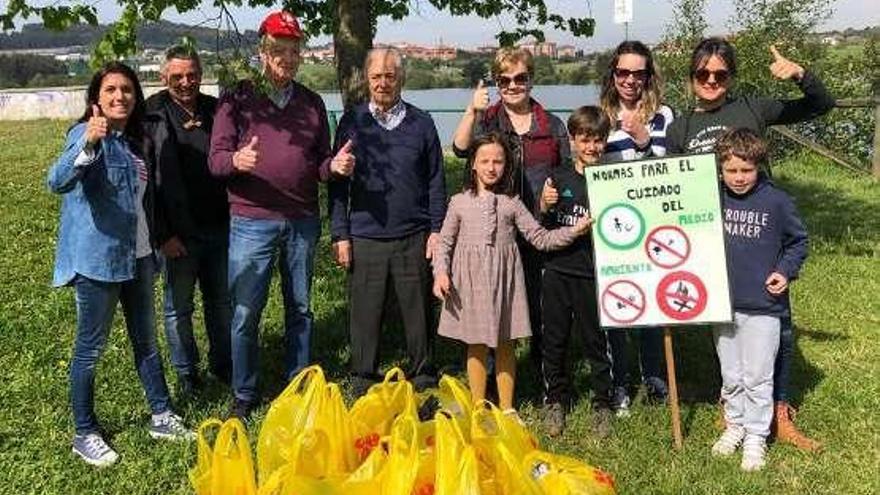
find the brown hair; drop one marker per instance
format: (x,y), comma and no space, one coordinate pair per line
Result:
(508,56)
(742,143)
(505,182)
(589,120)
(134,130)
(652,92)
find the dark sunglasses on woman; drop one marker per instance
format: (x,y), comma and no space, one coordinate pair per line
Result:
(702,75)
(624,74)
(520,80)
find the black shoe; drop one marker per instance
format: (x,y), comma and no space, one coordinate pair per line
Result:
(656,390)
(428,408)
(240,409)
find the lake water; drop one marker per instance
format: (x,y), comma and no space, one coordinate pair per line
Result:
(447,105)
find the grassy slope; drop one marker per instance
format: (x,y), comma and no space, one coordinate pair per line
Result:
(837,376)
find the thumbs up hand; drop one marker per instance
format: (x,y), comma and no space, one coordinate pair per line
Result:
(631,123)
(246,158)
(97,127)
(480,100)
(783,68)
(343,162)
(549,195)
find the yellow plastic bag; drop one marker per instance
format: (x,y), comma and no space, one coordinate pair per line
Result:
(284,482)
(290,414)
(227,467)
(455,397)
(501,443)
(456,470)
(398,476)
(373,413)
(561,475)
(487,421)
(333,418)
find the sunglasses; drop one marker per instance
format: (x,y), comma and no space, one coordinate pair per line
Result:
(520,79)
(624,74)
(721,76)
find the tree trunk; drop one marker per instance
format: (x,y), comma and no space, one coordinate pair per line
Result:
(352,38)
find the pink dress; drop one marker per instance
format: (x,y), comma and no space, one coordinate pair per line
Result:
(478,250)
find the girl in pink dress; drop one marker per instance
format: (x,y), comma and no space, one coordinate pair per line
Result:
(478,273)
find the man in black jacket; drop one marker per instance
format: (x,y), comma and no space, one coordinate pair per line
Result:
(194,231)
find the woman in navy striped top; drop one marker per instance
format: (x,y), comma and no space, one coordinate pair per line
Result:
(632,94)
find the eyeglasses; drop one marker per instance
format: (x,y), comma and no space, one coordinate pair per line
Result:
(520,79)
(624,74)
(284,52)
(702,76)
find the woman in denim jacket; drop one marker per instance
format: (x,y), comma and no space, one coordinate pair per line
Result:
(106,179)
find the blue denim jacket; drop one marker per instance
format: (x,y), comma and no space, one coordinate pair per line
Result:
(98,229)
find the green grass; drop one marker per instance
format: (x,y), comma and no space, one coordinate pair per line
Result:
(836,371)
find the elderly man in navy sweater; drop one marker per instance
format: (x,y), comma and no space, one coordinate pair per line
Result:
(386,219)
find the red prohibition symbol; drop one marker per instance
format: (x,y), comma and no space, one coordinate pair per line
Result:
(623,302)
(667,246)
(681,296)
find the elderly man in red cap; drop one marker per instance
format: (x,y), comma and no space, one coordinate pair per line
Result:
(272,148)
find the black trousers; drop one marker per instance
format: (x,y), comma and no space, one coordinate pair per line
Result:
(533,261)
(379,266)
(570,302)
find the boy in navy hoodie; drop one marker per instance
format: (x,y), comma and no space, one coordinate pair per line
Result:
(766,246)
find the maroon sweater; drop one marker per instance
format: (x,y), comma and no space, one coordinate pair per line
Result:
(294,145)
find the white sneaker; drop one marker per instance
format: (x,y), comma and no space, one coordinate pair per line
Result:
(754,449)
(169,426)
(729,440)
(94,450)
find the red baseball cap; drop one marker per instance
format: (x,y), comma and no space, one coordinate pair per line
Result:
(281,24)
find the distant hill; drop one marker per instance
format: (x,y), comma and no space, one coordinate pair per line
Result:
(158,35)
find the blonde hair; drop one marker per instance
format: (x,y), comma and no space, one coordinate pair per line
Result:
(652,92)
(509,56)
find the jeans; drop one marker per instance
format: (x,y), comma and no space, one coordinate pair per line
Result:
(782,367)
(95,306)
(650,342)
(206,262)
(254,245)
(746,351)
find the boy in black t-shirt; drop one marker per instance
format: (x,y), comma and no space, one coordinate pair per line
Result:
(569,292)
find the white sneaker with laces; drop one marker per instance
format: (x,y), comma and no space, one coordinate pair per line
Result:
(94,450)
(729,440)
(754,450)
(169,426)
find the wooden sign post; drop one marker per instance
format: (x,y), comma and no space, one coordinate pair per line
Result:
(673,388)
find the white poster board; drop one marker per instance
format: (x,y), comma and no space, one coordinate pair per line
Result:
(659,242)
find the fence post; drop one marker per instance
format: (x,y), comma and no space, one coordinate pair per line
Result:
(875,161)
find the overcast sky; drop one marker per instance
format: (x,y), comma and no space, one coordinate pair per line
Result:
(427,26)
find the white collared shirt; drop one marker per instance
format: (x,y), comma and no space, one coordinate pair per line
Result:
(391,118)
